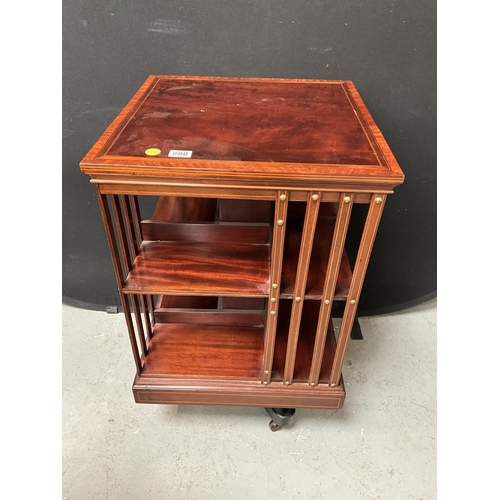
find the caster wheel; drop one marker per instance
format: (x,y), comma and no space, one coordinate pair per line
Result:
(274,426)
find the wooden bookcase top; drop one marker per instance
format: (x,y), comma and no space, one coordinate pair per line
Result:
(245,128)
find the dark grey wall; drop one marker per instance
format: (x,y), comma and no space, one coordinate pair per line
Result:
(387,47)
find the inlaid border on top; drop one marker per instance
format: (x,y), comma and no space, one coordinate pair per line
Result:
(387,167)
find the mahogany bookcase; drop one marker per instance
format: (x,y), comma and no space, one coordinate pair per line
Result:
(228,287)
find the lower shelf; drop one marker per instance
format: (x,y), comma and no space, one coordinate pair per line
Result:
(205,350)
(209,355)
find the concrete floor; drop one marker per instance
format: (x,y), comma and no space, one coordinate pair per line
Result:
(381,445)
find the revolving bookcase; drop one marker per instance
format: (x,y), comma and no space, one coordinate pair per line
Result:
(227,286)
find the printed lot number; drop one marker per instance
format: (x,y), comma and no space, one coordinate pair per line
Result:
(177,153)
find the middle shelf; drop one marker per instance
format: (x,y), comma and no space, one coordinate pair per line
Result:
(215,268)
(226,259)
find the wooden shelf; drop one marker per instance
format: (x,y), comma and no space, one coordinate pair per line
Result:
(201,353)
(216,268)
(210,262)
(319,260)
(218,343)
(201,350)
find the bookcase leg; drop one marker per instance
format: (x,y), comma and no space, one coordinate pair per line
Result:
(281,417)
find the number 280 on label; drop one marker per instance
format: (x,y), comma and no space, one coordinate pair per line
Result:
(177,153)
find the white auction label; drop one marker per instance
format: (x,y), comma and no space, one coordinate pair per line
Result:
(178,153)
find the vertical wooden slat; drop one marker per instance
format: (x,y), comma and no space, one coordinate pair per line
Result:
(119,224)
(140,326)
(126,251)
(120,275)
(136,210)
(332,271)
(127,212)
(135,243)
(137,217)
(377,203)
(281,207)
(151,313)
(147,320)
(311,216)
(132,334)
(151,309)
(136,213)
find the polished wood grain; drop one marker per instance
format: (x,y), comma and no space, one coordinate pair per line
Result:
(241,303)
(194,232)
(244,211)
(185,209)
(205,351)
(237,120)
(256,130)
(200,269)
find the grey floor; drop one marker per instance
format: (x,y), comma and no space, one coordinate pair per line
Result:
(381,445)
